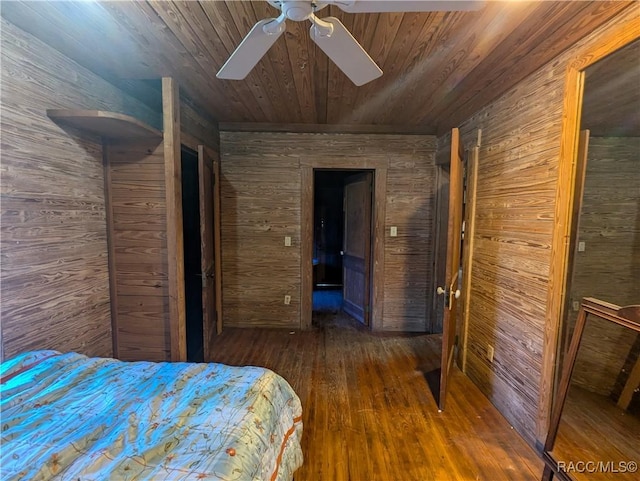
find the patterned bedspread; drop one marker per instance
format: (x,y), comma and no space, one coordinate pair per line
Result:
(69,417)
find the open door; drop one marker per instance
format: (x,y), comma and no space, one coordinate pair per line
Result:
(356,251)
(207,245)
(451,290)
(581,175)
(217,242)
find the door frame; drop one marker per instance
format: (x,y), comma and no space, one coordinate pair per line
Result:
(471,161)
(613,39)
(379,191)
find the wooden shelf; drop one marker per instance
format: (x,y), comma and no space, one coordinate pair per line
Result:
(110,125)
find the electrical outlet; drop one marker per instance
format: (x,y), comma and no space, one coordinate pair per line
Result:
(576,306)
(287,300)
(393,232)
(287,241)
(490,353)
(582,246)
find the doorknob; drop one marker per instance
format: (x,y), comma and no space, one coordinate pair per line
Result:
(448,294)
(443,291)
(453,294)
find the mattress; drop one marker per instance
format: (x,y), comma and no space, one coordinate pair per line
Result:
(68,416)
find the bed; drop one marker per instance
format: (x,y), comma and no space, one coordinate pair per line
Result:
(68,416)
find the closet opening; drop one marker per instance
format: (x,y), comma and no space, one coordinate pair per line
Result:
(192,255)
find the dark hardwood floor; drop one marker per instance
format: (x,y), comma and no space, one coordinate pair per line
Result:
(594,428)
(368,411)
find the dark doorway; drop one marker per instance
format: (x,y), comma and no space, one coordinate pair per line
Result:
(192,255)
(333,273)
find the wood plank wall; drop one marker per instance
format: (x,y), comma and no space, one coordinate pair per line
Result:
(197,128)
(261,181)
(609,268)
(409,258)
(55,280)
(518,167)
(138,242)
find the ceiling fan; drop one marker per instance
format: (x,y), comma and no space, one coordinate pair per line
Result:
(328,33)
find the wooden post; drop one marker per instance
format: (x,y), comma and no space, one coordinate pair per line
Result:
(175,241)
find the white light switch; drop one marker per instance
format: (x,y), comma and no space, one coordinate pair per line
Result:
(394,231)
(581,246)
(287,241)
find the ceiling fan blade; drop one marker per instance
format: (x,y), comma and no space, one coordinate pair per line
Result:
(373,6)
(345,52)
(252,48)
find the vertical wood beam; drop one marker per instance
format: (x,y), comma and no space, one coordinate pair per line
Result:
(175,241)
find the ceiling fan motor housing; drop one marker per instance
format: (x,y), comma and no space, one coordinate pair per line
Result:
(297,10)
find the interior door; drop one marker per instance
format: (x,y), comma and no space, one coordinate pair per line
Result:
(581,171)
(207,247)
(217,242)
(356,252)
(451,290)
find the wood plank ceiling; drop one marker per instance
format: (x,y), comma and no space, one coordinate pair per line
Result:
(439,68)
